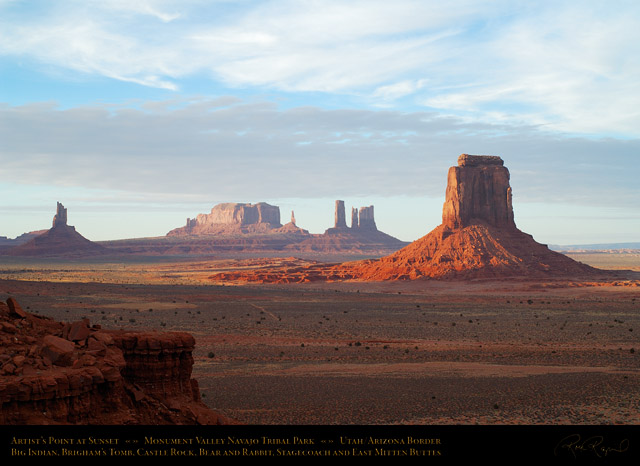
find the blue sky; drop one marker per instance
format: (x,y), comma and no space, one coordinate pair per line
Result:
(136,115)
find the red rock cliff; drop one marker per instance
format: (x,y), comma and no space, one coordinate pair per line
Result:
(478,191)
(232,218)
(54,373)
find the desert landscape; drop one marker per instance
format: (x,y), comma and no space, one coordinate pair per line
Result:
(320,229)
(480,352)
(475,324)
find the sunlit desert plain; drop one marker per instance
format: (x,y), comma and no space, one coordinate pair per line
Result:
(519,351)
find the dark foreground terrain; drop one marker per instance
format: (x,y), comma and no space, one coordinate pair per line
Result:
(482,352)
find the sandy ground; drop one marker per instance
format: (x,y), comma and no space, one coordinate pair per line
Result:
(508,352)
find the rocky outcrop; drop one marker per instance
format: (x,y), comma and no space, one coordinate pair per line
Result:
(367,222)
(56,373)
(478,237)
(362,220)
(60,240)
(291,227)
(232,218)
(60,218)
(478,191)
(340,217)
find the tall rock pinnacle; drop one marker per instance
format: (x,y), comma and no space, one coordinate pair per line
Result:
(478,191)
(60,218)
(340,218)
(354,218)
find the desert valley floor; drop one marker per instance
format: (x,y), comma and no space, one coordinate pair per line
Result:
(407,352)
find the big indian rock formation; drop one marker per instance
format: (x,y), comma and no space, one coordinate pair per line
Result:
(478,237)
(60,240)
(54,373)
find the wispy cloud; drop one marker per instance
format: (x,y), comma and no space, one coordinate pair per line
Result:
(227,148)
(573,66)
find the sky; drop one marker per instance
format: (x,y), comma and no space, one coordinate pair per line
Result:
(137,115)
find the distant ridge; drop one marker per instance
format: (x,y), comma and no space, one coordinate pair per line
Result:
(595,247)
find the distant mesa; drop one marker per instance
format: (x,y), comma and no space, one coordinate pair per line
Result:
(235,218)
(60,240)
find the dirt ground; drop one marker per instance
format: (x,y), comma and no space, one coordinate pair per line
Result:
(428,352)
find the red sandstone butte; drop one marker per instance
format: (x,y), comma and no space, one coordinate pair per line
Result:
(478,237)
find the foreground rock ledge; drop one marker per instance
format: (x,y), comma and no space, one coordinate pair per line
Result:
(55,373)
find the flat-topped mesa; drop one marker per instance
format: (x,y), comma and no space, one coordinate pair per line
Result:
(478,191)
(241,214)
(467,160)
(60,218)
(340,217)
(232,217)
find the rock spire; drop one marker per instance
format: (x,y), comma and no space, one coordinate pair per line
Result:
(60,218)
(340,218)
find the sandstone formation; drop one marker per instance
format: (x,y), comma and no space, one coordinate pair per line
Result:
(291,230)
(232,218)
(362,220)
(478,236)
(366,220)
(60,218)
(340,217)
(255,229)
(60,240)
(56,373)
(363,235)
(478,191)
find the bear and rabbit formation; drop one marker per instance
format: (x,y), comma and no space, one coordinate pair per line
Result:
(478,238)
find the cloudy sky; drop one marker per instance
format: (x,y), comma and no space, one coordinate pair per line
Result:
(136,115)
